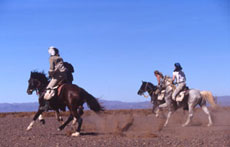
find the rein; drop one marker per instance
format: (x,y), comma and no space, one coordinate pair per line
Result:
(39,88)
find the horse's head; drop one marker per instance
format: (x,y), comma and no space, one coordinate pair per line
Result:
(36,82)
(142,89)
(146,86)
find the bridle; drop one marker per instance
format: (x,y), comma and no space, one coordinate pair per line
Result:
(37,88)
(146,85)
(145,89)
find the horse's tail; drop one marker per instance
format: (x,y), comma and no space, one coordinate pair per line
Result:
(207,95)
(92,102)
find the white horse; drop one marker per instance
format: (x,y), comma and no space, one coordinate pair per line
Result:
(194,98)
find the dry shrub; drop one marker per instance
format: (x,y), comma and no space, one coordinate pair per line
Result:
(149,135)
(3,115)
(17,114)
(24,114)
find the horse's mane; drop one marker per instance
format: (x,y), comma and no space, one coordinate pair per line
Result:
(167,77)
(69,67)
(39,75)
(150,84)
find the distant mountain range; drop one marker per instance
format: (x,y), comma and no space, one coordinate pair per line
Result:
(223,100)
(109,105)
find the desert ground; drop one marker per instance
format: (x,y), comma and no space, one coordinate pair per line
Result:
(118,128)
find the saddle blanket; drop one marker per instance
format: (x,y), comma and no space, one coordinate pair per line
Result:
(180,96)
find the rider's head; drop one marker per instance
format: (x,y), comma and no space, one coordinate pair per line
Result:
(156,72)
(53,51)
(177,67)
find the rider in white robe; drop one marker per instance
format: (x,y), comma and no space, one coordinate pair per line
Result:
(180,78)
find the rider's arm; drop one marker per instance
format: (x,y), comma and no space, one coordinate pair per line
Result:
(174,77)
(51,64)
(158,80)
(51,70)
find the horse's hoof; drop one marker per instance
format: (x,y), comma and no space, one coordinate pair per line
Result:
(75,134)
(60,128)
(28,129)
(43,121)
(184,125)
(209,125)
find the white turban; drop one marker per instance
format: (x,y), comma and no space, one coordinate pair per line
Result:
(51,50)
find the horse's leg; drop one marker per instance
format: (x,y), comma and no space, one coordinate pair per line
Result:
(41,119)
(80,112)
(190,114)
(168,116)
(74,121)
(58,117)
(79,120)
(154,107)
(205,109)
(168,100)
(39,112)
(70,118)
(157,112)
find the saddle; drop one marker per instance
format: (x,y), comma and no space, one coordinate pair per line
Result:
(54,100)
(179,97)
(55,91)
(182,94)
(59,89)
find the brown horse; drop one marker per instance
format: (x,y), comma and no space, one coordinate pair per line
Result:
(70,95)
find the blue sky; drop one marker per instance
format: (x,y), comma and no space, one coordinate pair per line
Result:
(115,44)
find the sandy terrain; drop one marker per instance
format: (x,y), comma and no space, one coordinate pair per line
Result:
(117,129)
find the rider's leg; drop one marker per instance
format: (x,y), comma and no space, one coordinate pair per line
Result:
(49,89)
(49,94)
(177,90)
